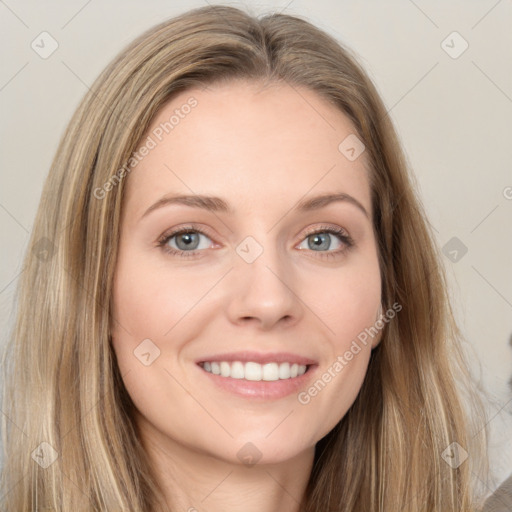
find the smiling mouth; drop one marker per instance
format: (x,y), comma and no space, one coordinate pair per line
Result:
(255,372)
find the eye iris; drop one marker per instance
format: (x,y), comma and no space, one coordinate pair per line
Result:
(320,241)
(189,239)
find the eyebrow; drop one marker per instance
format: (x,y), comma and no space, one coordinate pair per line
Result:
(218,205)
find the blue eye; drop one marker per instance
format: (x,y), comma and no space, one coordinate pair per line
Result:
(186,242)
(320,241)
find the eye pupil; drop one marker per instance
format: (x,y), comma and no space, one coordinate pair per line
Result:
(188,239)
(320,240)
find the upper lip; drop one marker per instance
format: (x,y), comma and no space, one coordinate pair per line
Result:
(259,357)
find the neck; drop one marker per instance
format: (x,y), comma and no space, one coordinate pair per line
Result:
(193,480)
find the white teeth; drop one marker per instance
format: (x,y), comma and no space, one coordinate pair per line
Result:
(237,370)
(284,370)
(255,371)
(271,371)
(225,369)
(252,371)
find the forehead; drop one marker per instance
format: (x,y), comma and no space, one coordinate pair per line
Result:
(255,145)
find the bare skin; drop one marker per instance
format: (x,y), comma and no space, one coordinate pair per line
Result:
(262,150)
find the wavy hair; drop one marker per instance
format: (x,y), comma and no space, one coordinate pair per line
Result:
(63,386)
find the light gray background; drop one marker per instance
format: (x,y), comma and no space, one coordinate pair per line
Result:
(452,114)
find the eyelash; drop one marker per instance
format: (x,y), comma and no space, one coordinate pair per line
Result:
(342,235)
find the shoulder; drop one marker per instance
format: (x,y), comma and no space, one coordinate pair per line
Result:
(501,499)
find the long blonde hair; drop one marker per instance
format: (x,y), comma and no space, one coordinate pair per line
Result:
(63,385)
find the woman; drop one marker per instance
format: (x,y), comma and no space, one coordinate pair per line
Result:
(302,356)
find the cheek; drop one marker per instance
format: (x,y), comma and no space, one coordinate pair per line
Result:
(149,307)
(348,304)
(149,303)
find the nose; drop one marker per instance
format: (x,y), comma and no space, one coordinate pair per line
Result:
(264,292)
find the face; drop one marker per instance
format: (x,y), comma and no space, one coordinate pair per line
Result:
(259,279)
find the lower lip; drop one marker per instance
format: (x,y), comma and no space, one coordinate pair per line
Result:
(263,390)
